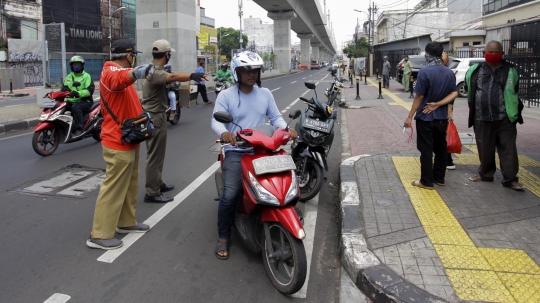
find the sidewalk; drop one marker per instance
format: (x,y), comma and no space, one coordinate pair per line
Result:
(26,116)
(464,242)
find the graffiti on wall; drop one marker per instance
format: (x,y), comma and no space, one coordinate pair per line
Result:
(28,56)
(33,72)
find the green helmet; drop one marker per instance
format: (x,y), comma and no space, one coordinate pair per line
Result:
(76,59)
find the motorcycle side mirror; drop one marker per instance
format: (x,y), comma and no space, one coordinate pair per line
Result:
(295,114)
(76,84)
(223,117)
(310,85)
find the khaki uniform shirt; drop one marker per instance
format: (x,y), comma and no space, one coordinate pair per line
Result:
(155,91)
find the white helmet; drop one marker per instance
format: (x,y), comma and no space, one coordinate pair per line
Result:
(248,60)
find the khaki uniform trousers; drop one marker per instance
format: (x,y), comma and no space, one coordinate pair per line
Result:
(117,199)
(155,156)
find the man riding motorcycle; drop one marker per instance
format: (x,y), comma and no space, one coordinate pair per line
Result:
(226,74)
(81,86)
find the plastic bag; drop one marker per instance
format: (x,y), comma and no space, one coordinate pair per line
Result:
(453,143)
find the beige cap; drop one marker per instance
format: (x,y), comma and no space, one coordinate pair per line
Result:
(161,46)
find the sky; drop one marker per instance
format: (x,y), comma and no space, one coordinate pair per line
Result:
(342,15)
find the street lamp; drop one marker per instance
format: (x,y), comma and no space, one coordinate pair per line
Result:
(240,13)
(369,33)
(220,37)
(110,26)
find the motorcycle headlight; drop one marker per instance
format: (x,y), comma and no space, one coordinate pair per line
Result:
(293,190)
(261,192)
(43,117)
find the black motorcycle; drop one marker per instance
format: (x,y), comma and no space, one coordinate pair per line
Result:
(315,135)
(219,85)
(335,87)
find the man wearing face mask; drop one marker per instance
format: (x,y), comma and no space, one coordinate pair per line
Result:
(494,110)
(81,86)
(156,102)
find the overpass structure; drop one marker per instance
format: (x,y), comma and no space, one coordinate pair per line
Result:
(308,20)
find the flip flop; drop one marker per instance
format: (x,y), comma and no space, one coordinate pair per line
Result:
(515,186)
(419,184)
(222,246)
(475,178)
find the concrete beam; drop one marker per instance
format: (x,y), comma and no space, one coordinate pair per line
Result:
(282,39)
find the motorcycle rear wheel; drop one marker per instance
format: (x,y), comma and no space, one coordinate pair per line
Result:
(42,139)
(311,182)
(288,272)
(333,96)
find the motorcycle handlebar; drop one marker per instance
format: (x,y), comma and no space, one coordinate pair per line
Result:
(304,99)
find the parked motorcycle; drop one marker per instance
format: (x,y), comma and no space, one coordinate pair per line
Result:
(265,218)
(315,135)
(335,87)
(55,124)
(219,85)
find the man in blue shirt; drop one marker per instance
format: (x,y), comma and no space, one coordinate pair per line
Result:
(435,89)
(201,85)
(250,105)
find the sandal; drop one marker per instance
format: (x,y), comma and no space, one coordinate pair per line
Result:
(476,178)
(419,184)
(222,247)
(515,186)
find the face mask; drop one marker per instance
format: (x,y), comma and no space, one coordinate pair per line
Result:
(493,58)
(77,68)
(132,63)
(168,58)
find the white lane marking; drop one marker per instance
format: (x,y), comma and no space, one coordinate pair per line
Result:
(284,111)
(275,89)
(111,255)
(293,82)
(310,219)
(58,298)
(304,78)
(14,105)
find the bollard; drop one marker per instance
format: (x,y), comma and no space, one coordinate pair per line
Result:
(357,89)
(377,71)
(11,86)
(365,78)
(350,79)
(411,88)
(61,80)
(380,89)
(0,86)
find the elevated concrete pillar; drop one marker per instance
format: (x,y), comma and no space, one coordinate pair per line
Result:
(315,51)
(305,42)
(173,20)
(282,39)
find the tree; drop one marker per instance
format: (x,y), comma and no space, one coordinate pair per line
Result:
(360,49)
(230,41)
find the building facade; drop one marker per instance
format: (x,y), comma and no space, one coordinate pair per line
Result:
(260,35)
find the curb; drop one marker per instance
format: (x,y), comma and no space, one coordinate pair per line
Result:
(17,125)
(16,95)
(378,282)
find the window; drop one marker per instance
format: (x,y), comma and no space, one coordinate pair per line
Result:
(477,43)
(453,64)
(21,29)
(466,44)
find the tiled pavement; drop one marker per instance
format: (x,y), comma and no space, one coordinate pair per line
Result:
(498,224)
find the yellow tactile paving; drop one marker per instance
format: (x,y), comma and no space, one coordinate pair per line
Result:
(524,288)
(467,159)
(477,274)
(529,180)
(510,261)
(479,285)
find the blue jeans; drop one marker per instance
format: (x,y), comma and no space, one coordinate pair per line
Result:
(232,188)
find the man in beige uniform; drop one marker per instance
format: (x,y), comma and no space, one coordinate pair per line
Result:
(155,102)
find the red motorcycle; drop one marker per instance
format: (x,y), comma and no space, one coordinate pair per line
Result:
(265,218)
(56,123)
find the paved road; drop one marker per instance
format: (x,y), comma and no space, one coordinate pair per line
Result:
(14,101)
(42,238)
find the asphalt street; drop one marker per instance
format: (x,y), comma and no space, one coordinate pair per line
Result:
(43,237)
(14,101)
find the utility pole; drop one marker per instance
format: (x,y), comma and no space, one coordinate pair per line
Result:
(240,13)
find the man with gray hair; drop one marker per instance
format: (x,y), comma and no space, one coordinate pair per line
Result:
(117,199)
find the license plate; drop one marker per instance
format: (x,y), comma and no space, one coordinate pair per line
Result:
(316,125)
(273,164)
(48,105)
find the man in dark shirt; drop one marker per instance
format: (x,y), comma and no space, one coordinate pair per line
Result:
(435,89)
(494,110)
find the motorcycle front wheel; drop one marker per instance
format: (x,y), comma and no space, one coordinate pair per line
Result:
(45,141)
(287,270)
(312,180)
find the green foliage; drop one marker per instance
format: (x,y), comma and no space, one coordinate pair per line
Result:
(229,37)
(360,49)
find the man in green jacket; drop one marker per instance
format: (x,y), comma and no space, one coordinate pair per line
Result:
(225,73)
(81,86)
(494,111)
(407,71)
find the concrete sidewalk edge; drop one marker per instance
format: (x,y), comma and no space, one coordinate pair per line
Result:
(18,125)
(16,95)
(374,279)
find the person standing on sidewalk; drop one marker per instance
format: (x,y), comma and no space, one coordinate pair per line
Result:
(117,199)
(201,85)
(407,70)
(494,111)
(435,88)
(386,72)
(156,102)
